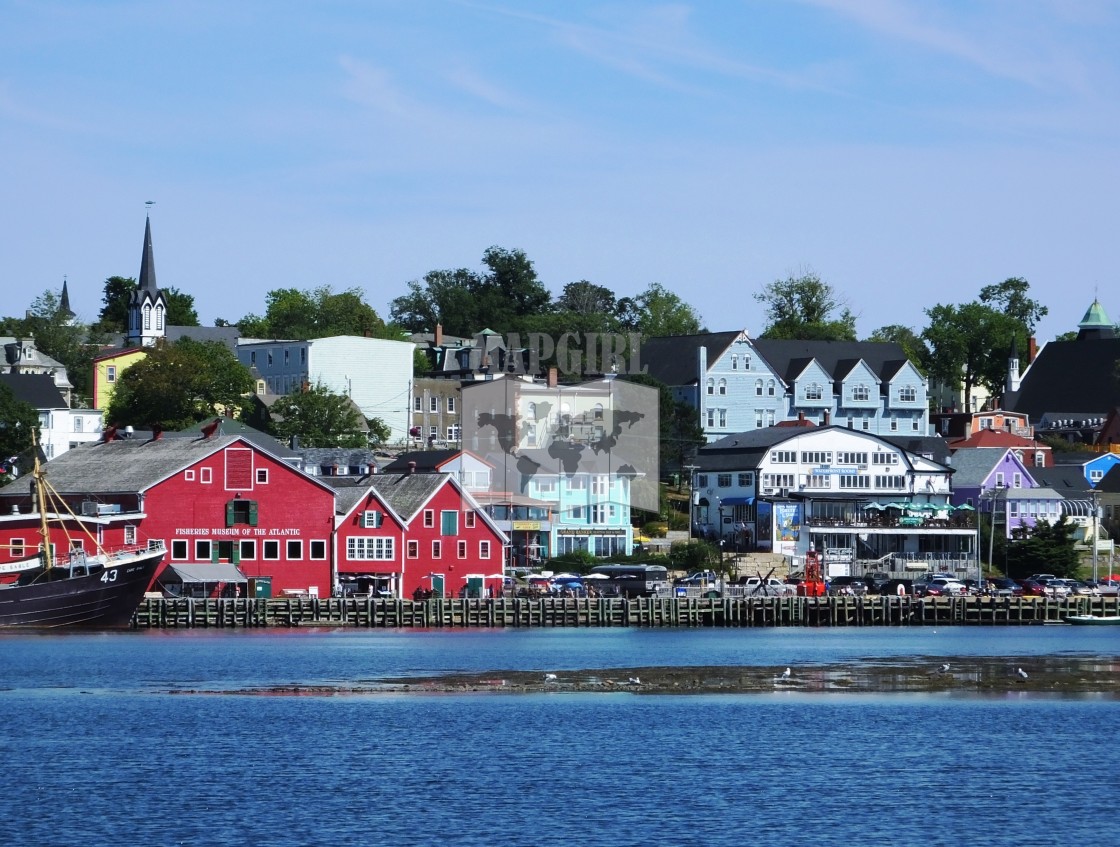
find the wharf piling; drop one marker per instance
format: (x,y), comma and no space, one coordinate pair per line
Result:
(683,612)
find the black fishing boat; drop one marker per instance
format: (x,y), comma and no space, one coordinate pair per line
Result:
(94,589)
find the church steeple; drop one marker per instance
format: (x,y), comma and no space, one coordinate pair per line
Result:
(147,307)
(1013,365)
(64,310)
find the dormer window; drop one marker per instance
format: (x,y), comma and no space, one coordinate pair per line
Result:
(860,393)
(814,391)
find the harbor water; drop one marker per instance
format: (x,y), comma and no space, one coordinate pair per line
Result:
(102,743)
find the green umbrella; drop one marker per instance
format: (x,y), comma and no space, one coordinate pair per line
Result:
(966,507)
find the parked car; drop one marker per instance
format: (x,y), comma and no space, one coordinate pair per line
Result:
(847,585)
(891,586)
(1105,588)
(1055,588)
(696,578)
(1032,588)
(1002,586)
(765,586)
(929,589)
(953,587)
(1077,587)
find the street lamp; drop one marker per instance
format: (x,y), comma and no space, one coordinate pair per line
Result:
(1095,495)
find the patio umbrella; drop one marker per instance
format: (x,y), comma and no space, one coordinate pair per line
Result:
(965,507)
(878,507)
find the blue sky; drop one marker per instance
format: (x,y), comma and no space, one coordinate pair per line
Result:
(908,152)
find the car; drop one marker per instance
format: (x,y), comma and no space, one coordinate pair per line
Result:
(1106,587)
(1032,588)
(765,587)
(1002,586)
(892,586)
(1077,587)
(929,589)
(847,585)
(696,578)
(1042,577)
(952,587)
(1055,588)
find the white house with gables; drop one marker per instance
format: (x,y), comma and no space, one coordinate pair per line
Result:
(738,383)
(862,499)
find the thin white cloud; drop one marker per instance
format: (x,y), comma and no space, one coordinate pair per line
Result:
(1009,44)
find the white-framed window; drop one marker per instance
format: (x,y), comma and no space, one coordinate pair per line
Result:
(188,476)
(454,433)
(578,482)
(599,514)
(437,549)
(413,549)
(770,388)
(1017,480)
(860,392)
(484,549)
(202,549)
(205,475)
(600,484)
(262,476)
(894,423)
(418,403)
(317,549)
(429,518)
(576,513)
(758,387)
(433,403)
(111,373)
(711,417)
(248,549)
(179,549)
(462,551)
(723,480)
(734,362)
(723,386)
(294,550)
(271,550)
(758,419)
(379,548)
(999,480)
(722,417)
(371,519)
(907,394)
(711,386)
(129,534)
(915,426)
(468,520)
(814,391)
(451,405)
(433,432)
(147,316)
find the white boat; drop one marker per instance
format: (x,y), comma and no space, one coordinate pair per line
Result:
(1093,620)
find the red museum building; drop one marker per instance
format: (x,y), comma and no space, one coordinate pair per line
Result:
(231,512)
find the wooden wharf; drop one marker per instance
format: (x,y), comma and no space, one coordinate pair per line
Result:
(683,612)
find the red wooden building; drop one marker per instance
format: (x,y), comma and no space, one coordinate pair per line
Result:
(398,534)
(226,508)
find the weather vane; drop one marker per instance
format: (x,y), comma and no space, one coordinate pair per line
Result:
(148,205)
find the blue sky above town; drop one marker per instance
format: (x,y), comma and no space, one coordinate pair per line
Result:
(907,152)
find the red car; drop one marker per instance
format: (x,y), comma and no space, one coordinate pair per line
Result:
(1031,588)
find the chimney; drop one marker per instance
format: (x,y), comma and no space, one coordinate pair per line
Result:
(801,417)
(553,377)
(1032,349)
(826,418)
(411,468)
(438,342)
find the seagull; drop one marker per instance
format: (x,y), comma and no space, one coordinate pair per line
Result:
(1022,673)
(635,681)
(550,677)
(787,673)
(944,668)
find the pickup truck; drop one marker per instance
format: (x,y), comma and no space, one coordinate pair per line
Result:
(756,586)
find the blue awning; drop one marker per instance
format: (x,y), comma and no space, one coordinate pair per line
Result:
(736,501)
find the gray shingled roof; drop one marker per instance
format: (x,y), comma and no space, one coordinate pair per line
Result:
(37,390)
(973,465)
(406,494)
(672,358)
(426,460)
(1070,375)
(790,357)
(122,467)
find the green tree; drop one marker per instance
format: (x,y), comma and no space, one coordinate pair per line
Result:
(1010,297)
(178,385)
(679,432)
(114,309)
(379,431)
(180,308)
(57,335)
(969,345)
(17,421)
(319,418)
(657,312)
(805,308)
(1045,548)
(318,313)
(501,298)
(917,351)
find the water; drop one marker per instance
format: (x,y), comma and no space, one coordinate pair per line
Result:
(96,750)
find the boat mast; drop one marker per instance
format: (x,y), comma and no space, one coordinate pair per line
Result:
(39,480)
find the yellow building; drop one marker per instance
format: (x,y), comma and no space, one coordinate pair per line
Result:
(107,369)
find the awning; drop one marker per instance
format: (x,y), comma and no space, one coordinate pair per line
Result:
(736,501)
(221,572)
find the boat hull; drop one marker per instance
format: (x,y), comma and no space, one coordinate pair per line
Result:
(105,598)
(1093,620)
